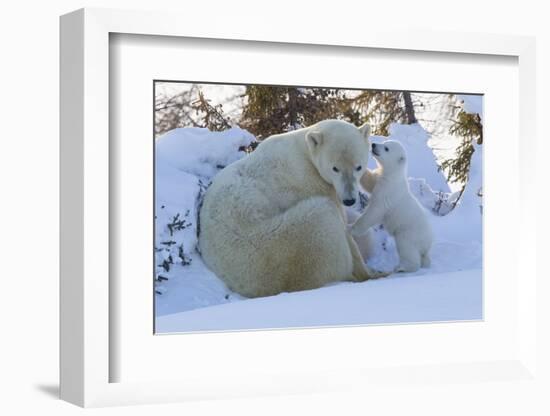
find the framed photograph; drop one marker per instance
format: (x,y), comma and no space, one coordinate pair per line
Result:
(291,212)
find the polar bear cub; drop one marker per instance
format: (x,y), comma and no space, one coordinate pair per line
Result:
(393,205)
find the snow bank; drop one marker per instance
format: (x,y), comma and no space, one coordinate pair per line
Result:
(186,160)
(199,151)
(421,159)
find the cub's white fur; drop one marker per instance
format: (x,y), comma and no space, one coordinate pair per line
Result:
(393,205)
(273,221)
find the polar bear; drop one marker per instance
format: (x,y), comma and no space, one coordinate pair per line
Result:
(393,205)
(274,222)
(366,243)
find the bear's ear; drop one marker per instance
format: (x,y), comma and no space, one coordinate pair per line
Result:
(365,130)
(314,140)
(401,160)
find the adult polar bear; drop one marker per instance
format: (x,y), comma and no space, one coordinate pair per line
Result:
(273,222)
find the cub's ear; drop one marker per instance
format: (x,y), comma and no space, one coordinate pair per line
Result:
(314,139)
(365,130)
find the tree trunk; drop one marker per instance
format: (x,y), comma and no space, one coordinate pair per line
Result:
(293,108)
(409,109)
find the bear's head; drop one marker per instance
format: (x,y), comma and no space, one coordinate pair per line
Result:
(391,156)
(340,152)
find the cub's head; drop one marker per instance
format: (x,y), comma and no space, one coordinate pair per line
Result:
(390,155)
(340,152)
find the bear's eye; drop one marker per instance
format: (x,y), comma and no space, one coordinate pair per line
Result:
(335,169)
(358,168)
(386,148)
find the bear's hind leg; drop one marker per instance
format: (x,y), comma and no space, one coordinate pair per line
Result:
(426,260)
(409,256)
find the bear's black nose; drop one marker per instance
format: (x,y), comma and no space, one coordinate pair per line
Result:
(373,146)
(349,202)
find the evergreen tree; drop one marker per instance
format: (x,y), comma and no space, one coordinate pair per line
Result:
(381,108)
(271,109)
(409,108)
(210,117)
(470,128)
(266,111)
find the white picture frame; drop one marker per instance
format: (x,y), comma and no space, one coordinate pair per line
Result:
(87,355)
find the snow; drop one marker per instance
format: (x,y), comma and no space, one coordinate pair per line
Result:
(448,296)
(191,298)
(200,152)
(435,113)
(185,161)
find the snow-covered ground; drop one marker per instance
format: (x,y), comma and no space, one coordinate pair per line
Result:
(446,296)
(191,298)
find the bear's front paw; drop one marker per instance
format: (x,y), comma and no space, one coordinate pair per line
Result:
(376,274)
(406,269)
(408,266)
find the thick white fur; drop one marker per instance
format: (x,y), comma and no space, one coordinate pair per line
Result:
(393,205)
(273,222)
(365,242)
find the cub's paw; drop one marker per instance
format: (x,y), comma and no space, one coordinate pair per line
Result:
(406,269)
